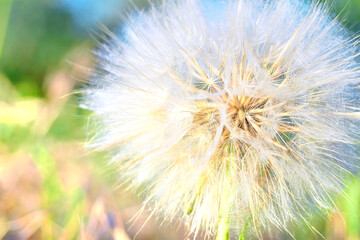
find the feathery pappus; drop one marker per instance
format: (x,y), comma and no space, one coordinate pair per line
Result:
(225,111)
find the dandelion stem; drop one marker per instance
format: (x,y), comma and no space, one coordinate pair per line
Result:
(224,227)
(244,229)
(225,208)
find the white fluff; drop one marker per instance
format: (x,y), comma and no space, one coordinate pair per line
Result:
(230,109)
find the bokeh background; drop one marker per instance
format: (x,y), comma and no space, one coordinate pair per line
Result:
(50,186)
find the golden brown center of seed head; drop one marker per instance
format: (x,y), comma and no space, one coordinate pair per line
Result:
(249,116)
(242,115)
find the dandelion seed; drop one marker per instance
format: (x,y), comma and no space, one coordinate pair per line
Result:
(230,111)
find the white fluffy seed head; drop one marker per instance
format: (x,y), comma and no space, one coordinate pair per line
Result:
(243,109)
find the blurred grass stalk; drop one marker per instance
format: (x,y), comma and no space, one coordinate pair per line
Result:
(5,9)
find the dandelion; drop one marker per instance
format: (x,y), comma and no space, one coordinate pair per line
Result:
(230,113)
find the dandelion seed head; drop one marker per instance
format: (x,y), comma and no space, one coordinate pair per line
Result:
(247,104)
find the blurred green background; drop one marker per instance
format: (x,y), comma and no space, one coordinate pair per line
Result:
(50,186)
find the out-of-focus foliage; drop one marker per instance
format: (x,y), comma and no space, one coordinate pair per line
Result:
(50,186)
